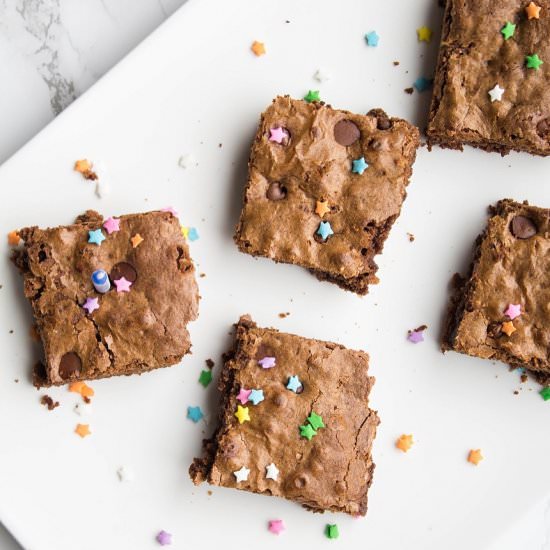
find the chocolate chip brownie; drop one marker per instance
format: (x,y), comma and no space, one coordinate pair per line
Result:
(109,297)
(295,421)
(492,81)
(324,188)
(501,309)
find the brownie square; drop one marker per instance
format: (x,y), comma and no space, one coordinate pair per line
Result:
(310,428)
(485,44)
(311,200)
(131,331)
(501,309)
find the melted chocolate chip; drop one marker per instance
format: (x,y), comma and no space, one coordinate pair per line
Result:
(383,123)
(346,132)
(494,330)
(124,269)
(523,227)
(70,365)
(300,482)
(543,128)
(276,191)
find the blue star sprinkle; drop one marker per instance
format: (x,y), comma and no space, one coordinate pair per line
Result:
(359,166)
(193,234)
(325,230)
(96,237)
(256,396)
(294,384)
(422,84)
(372,39)
(194,414)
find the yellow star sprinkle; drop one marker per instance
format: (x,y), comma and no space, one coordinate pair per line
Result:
(258,48)
(242,414)
(508,328)
(405,442)
(532,11)
(475,456)
(322,208)
(185,231)
(424,34)
(82,430)
(136,240)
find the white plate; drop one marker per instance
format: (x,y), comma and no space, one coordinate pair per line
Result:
(195,84)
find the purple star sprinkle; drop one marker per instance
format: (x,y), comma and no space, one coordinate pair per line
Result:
(170,209)
(164,538)
(267,362)
(90,305)
(417,335)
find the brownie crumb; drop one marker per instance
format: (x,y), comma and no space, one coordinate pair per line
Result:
(209,493)
(516,392)
(11,331)
(16,380)
(220,145)
(411,237)
(283,315)
(409,90)
(202,275)
(86,399)
(395,63)
(47,401)
(523,378)
(210,363)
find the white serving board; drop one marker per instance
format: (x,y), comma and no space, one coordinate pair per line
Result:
(192,85)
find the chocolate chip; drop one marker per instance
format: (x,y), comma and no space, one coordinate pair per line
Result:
(543,128)
(375,144)
(276,191)
(123,269)
(300,482)
(494,330)
(346,132)
(383,123)
(523,227)
(70,365)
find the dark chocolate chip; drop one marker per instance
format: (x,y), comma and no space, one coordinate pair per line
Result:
(523,227)
(70,365)
(543,128)
(346,132)
(276,191)
(383,123)
(124,269)
(494,330)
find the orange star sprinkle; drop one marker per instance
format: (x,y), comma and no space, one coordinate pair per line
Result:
(82,430)
(532,11)
(83,166)
(405,442)
(13,238)
(258,48)
(508,328)
(475,456)
(136,240)
(322,208)
(81,388)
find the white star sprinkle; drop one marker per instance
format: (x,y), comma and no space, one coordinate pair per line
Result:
(322,75)
(185,161)
(272,472)
(124,474)
(83,409)
(242,474)
(496,93)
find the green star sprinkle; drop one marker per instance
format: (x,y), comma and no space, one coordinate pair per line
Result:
(533,61)
(331,531)
(312,95)
(315,420)
(205,378)
(508,30)
(545,393)
(307,431)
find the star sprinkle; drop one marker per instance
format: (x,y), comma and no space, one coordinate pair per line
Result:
(82,388)
(322,75)
(404,443)
(136,240)
(82,430)
(267,362)
(424,34)
(513,311)
(422,84)
(242,414)
(82,166)
(276,526)
(125,474)
(496,93)
(243,395)
(111,225)
(322,208)
(90,305)
(294,384)
(277,134)
(315,420)
(533,61)
(545,393)
(185,161)
(508,30)
(258,48)
(13,238)
(242,474)
(205,377)
(96,237)
(312,95)
(164,538)
(475,456)
(170,209)
(271,472)
(532,11)
(372,39)
(331,531)
(83,409)
(122,284)
(256,396)
(307,431)
(195,414)
(325,230)
(359,166)
(508,328)
(417,335)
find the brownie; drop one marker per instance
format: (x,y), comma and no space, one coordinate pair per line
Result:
(501,309)
(484,44)
(311,200)
(133,330)
(310,428)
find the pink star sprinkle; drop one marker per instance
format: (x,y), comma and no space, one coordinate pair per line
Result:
(90,305)
(244,395)
(171,210)
(513,311)
(111,225)
(417,335)
(267,362)
(164,538)
(277,134)
(122,284)
(276,526)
